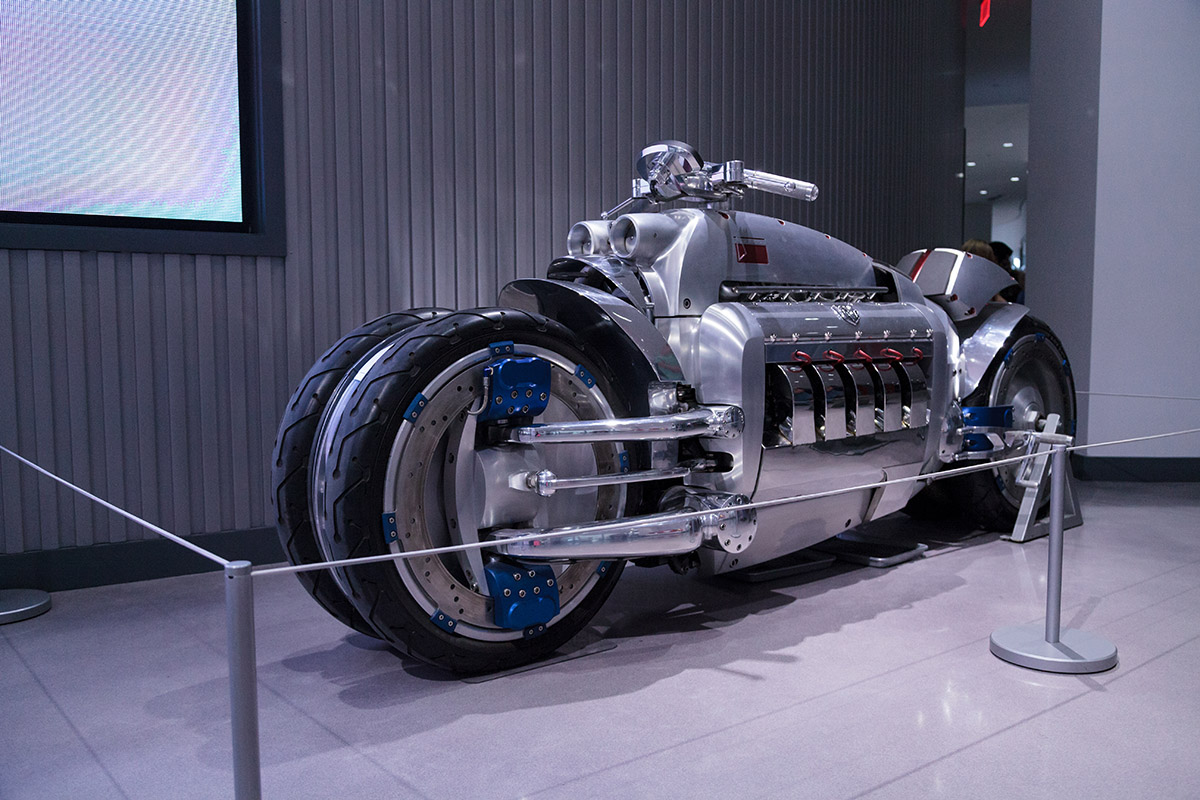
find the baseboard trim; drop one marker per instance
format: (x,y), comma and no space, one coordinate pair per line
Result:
(126,562)
(1139,470)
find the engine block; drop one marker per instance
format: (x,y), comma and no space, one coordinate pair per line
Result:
(845,370)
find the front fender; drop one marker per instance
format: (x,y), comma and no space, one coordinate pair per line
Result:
(632,349)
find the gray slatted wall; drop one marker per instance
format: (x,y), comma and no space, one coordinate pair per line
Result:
(434,151)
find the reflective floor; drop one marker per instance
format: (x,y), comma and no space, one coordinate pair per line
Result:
(854,682)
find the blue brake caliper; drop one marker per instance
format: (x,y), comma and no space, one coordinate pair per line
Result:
(517,385)
(524,596)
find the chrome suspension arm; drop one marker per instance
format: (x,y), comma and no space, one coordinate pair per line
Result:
(718,422)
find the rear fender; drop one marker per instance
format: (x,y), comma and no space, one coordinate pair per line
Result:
(982,342)
(961,283)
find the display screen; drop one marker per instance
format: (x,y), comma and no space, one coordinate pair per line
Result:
(121,108)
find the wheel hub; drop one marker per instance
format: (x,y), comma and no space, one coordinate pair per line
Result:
(446,489)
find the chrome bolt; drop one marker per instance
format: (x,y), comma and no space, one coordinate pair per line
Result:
(537,590)
(543,395)
(507,592)
(516,576)
(529,392)
(521,593)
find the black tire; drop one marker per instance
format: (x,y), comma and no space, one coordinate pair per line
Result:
(290,461)
(933,502)
(1032,374)
(382,463)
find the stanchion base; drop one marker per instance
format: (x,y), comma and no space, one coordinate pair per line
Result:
(1076,651)
(19,604)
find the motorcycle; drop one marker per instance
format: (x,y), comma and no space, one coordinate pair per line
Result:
(676,366)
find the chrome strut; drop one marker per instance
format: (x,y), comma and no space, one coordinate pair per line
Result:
(717,422)
(546,483)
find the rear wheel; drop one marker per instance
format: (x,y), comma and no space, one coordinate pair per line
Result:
(396,482)
(1033,376)
(294,445)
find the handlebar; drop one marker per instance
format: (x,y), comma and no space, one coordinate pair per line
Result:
(734,173)
(673,170)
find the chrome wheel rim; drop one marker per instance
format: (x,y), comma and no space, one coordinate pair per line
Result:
(1032,386)
(419,489)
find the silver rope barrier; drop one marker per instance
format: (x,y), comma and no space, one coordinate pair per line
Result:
(1137,396)
(685,515)
(179,540)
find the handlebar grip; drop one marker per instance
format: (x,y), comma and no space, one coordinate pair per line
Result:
(777,184)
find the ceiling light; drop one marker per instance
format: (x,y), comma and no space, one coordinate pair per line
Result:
(958,175)
(1007,144)
(983,191)
(1014,179)
(970,163)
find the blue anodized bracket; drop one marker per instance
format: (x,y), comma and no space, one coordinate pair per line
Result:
(518,385)
(984,417)
(523,596)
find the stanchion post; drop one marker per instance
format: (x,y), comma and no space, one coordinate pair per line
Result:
(243,680)
(1049,648)
(1058,483)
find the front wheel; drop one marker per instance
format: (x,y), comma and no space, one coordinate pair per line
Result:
(1033,376)
(413,465)
(297,441)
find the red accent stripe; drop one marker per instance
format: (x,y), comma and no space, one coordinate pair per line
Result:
(751,253)
(920,263)
(985,12)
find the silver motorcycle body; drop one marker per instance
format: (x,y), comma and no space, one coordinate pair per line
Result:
(846,372)
(674,391)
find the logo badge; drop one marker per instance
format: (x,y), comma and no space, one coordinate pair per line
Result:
(847,312)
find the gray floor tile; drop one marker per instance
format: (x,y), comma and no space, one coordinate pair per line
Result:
(852,683)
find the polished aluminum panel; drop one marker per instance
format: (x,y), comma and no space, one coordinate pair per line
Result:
(982,340)
(916,395)
(961,283)
(710,247)
(831,401)
(890,401)
(799,397)
(860,398)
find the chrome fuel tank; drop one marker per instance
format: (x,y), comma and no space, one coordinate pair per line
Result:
(685,255)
